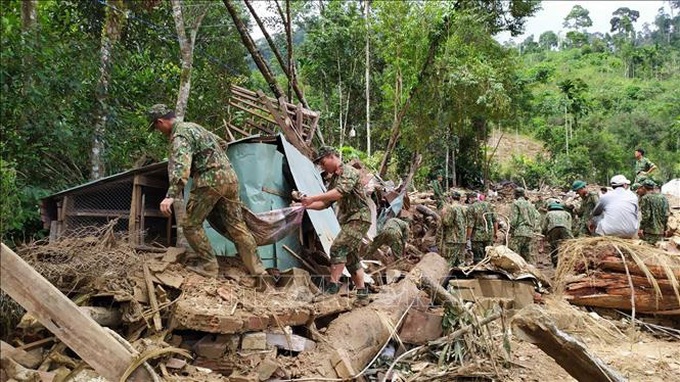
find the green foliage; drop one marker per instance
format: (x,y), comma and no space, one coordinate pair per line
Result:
(591,110)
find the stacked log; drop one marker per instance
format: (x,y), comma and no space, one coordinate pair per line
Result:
(626,275)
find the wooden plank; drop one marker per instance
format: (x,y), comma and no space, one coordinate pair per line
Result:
(251,112)
(262,128)
(240,131)
(226,127)
(254,104)
(133,219)
(157,324)
(148,181)
(62,317)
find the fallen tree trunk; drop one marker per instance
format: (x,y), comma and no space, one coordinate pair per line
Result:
(363,331)
(534,325)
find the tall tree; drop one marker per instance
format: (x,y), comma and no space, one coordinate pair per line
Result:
(578,19)
(548,40)
(186,48)
(254,51)
(111,31)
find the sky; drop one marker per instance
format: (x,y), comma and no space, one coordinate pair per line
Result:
(553,13)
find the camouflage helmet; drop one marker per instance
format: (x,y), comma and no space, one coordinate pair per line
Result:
(519,191)
(157,112)
(577,185)
(635,186)
(323,152)
(648,183)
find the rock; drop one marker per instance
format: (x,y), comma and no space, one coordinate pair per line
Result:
(254,341)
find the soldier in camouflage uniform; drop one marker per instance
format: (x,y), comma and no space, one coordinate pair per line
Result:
(643,166)
(655,212)
(345,187)
(394,234)
(438,190)
(482,226)
(523,222)
(452,231)
(556,226)
(589,200)
(197,153)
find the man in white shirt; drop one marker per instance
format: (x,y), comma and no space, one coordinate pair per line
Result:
(616,214)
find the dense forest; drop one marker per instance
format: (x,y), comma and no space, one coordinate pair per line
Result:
(392,79)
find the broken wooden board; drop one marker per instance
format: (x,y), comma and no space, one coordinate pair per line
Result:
(63,318)
(521,292)
(534,325)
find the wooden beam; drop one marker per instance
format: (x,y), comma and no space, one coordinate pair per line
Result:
(62,317)
(242,108)
(133,219)
(157,324)
(226,127)
(534,325)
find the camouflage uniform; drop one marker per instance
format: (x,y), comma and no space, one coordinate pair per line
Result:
(556,226)
(585,213)
(481,219)
(451,234)
(655,213)
(523,222)
(354,218)
(394,234)
(642,165)
(197,153)
(438,193)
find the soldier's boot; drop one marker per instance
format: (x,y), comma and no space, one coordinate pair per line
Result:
(331,289)
(362,296)
(206,268)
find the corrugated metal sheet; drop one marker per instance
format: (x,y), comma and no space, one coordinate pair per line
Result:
(263,187)
(308,181)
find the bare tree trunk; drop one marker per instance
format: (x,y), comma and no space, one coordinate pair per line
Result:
(186,47)
(367,5)
(254,52)
(292,77)
(289,39)
(113,26)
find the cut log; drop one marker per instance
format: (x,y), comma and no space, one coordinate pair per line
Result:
(63,318)
(363,331)
(534,325)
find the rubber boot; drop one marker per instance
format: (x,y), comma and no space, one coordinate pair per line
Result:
(206,268)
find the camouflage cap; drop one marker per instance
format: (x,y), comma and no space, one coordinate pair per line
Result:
(648,183)
(156,112)
(323,152)
(577,185)
(635,186)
